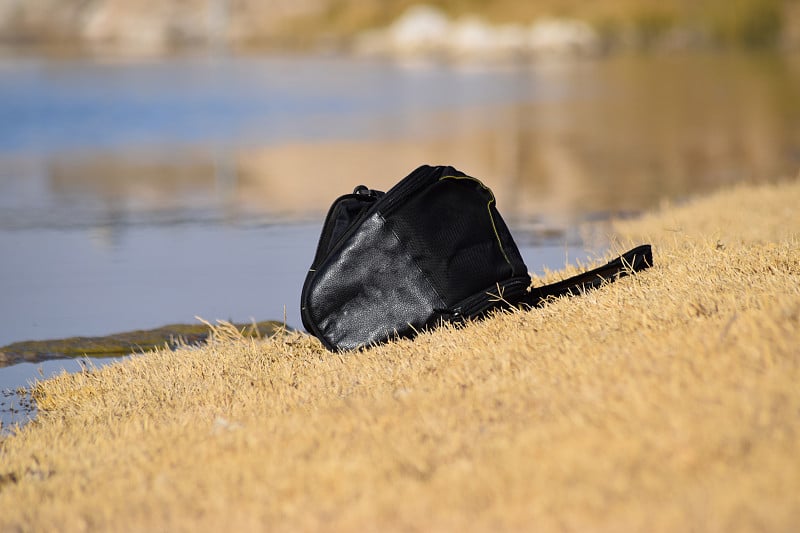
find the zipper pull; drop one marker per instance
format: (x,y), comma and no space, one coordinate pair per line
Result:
(363,190)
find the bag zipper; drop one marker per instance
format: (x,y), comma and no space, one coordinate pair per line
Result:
(505,293)
(421,177)
(385,202)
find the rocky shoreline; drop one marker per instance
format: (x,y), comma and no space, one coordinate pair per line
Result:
(424,31)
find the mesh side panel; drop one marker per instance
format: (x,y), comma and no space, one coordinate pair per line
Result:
(454,234)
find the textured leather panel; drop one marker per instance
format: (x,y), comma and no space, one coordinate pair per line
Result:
(363,298)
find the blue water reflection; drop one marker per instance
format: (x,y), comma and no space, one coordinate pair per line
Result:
(47,106)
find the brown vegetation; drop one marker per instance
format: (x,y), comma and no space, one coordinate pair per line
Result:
(170,337)
(667,401)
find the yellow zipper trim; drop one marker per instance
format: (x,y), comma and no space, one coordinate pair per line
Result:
(488,208)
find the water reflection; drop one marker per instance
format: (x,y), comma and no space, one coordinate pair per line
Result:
(620,135)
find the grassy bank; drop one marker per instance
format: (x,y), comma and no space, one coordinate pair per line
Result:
(668,401)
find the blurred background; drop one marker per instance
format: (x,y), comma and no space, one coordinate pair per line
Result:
(161,160)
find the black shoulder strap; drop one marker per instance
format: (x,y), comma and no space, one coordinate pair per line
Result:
(634,260)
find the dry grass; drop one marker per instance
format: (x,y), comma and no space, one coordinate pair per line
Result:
(668,401)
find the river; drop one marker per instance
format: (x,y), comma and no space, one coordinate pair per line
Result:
(137,194)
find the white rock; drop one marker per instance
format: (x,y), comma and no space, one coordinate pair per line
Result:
(473,38)
(471,35)
(424,31)
(136,31)
(562,36)
(421,28)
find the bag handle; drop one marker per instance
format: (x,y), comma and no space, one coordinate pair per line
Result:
(631,261)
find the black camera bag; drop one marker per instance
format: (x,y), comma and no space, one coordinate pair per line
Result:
(433,248)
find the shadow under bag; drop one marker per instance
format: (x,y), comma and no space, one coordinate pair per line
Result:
(432,249)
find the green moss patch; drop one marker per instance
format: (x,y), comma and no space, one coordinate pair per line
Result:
(172,335)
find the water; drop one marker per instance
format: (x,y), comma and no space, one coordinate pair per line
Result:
(133,195)
(126,197)
(129,273)
(16,406)
(73,105)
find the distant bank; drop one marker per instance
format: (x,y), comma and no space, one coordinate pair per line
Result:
(150,28)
